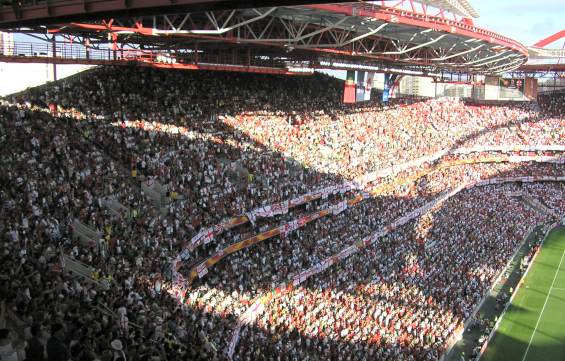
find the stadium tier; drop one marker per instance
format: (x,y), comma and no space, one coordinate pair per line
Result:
(165,215)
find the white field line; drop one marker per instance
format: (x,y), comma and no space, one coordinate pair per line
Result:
(559,289)
(544,304)
(518,286)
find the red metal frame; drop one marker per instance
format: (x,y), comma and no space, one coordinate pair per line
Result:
(233,40)
(387,15)
(424,21)
(550,39)
(66,53)
(75,53)
(324,35)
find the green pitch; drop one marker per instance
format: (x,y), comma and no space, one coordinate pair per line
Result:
(533,328)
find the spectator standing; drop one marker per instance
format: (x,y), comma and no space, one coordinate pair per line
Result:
(7,350)
(35,350)
(56,348)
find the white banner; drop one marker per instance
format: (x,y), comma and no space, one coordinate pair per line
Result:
(201,270)
(339,207)
(282,208)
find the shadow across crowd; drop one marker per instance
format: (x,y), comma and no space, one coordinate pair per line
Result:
(225,144)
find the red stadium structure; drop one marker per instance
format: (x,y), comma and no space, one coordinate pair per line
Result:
(204,142)
(547,63)
(424,38)
(542,59)
(550,39)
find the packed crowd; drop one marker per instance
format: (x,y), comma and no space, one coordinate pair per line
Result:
(266,264)
(223,147)
(551,197)
(403,298)
(553,104)
(54,177)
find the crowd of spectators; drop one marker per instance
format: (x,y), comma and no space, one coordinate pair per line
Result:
(52,177)
(403,298)
(552,104)
(223,144)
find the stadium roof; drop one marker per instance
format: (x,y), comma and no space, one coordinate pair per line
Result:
(366,31)
(376,34)
(544,59)
(43,12)
(459,7)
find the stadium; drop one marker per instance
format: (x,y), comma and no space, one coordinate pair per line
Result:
(279,180)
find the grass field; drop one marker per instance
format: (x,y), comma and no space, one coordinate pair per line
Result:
(533,328)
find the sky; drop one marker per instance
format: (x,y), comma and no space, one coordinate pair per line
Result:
(15,77)
(524,21)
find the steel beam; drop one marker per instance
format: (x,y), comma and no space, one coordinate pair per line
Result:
(53,12)
(543,68)
(355,31)
(550,39)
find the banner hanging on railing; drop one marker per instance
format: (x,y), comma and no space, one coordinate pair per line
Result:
(360,182)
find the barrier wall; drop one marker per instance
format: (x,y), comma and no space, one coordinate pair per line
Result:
(88,236)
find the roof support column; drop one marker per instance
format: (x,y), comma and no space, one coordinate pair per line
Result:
(54,47)
(87,48)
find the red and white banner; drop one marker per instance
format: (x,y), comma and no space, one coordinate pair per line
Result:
(201,270)
(206,235)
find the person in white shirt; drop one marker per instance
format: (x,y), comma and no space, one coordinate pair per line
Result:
(7,350)
(117,350)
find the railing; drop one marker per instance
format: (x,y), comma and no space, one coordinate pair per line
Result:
(85,234)
(558,90)
(59,50)
(115,207)
(155,191)
(75,51)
